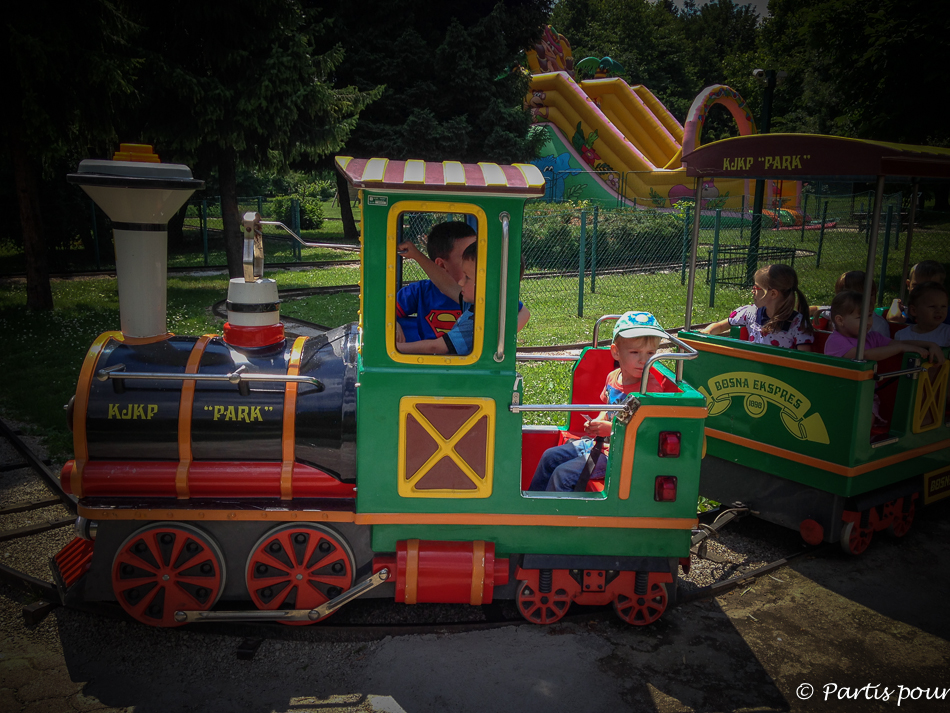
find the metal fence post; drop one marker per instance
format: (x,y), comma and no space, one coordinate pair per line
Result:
(295,218)
(821,233)
(714,261)
(887,242)
(581,254)
(742,220)
(204,227)
(804,216)
(593,252)
(260,205)
(95,234)
(686,240)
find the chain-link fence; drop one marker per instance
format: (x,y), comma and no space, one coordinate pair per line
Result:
(589,262)
(203,232)
(201,239)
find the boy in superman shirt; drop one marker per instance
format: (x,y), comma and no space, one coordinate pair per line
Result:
(637,336)
(423,311)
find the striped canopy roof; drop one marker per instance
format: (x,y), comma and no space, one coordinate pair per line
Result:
(520,179)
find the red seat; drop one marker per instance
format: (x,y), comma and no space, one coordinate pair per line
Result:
(590,375)
(821,337)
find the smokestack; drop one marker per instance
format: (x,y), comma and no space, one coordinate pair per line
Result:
(139,194)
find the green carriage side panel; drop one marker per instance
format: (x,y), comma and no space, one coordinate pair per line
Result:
(807,417)
(650,528)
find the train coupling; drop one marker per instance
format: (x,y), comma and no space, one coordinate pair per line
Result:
(306,615)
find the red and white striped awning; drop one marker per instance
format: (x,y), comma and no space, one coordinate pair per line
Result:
(522,179)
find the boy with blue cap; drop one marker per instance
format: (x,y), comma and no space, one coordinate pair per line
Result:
(637,336)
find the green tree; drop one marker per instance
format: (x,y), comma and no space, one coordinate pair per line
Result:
(863,68)
(68,70)
(450,93)
(246,84)
(646,38)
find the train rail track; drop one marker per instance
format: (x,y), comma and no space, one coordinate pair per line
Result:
(33,506)
(37,523)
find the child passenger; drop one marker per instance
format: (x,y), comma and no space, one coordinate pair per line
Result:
(854,281)
(846,315)
(772,318)
(460,338)
(423,311)
(923,271)
(636,338)
(927,305)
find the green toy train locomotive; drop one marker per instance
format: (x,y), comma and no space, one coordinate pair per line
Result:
(247,476)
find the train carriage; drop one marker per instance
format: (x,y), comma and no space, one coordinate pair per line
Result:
(247,476)
(790,434)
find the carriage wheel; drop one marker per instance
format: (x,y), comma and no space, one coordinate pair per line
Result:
(644,609)
(855,539)
(543,607)
(298,567)
(165,568)
(902,520)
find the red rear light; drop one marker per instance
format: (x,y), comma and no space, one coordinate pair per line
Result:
(665,490)
(670,444)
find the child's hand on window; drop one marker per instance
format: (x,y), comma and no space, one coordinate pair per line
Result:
(409,250)
(400,337)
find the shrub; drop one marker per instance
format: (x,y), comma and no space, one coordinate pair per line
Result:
(311,211)
(626,238)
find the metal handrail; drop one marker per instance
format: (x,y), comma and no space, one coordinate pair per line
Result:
(505,219)
(598,323)
(690,353)
(543,357)
(515,408)
(234,377)
(307,244)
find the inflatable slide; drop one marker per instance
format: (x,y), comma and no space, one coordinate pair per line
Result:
(609,141)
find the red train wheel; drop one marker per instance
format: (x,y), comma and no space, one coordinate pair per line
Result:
(165,568)
(298,567)
(543,608)
(855,539)
(902,520)
(642,609)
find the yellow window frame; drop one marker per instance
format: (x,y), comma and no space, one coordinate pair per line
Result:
(446,447)
(391,241)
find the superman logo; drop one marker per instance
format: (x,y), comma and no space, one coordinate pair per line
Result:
(442,320)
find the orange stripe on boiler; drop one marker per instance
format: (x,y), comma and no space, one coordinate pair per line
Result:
(185,405)
(83,387)
(290,414)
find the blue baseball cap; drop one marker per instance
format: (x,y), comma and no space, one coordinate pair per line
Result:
(638,324)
